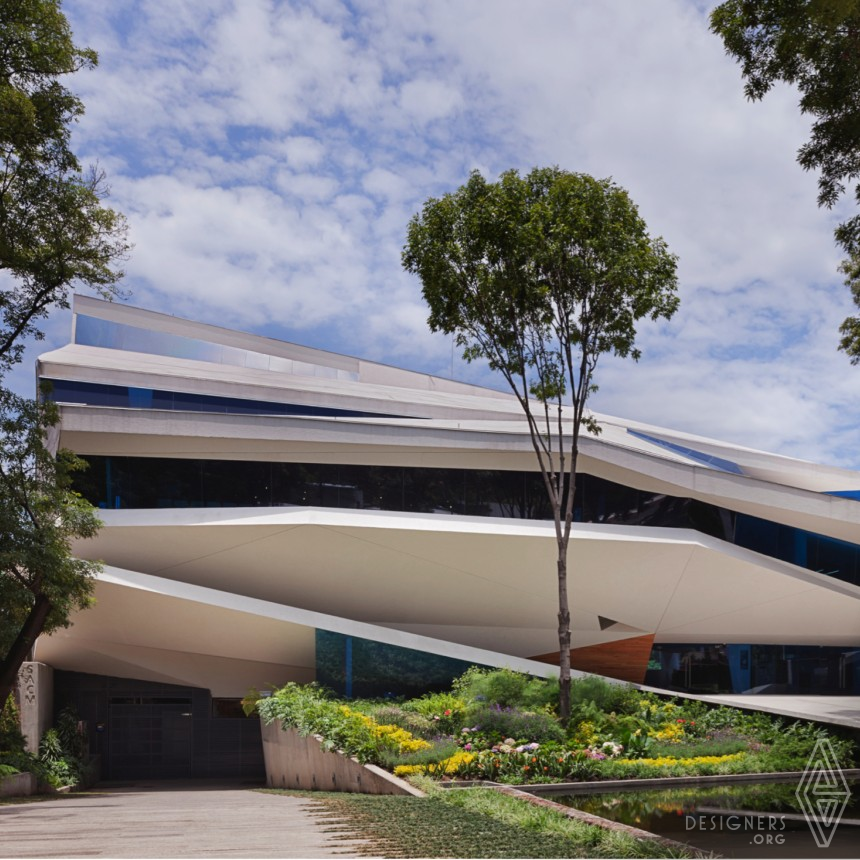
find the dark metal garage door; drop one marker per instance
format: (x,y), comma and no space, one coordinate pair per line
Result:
(150,737)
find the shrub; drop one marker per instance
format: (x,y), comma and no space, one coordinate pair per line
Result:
(495,723)
(605,696)
(437,751)
(310,710)
(446,711)
(389,714)
(507,688)
(11,738)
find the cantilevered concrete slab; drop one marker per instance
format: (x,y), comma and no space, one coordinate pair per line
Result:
(484,582)
(155,629)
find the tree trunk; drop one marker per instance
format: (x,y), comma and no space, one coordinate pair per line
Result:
(22,646)
(563,637)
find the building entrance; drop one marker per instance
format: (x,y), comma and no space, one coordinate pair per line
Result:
(150,737)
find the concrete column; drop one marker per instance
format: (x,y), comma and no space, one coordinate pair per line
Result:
(36,698)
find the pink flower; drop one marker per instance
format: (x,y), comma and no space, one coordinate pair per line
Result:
(467,747)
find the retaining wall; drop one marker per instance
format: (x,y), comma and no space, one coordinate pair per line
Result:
(17,785)
(293,761)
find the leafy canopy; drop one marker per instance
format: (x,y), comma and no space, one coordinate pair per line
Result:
(540,275)
(39,517)
(815,45)
(54,230)
(55,234)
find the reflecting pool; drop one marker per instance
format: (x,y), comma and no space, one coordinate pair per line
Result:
(742,820)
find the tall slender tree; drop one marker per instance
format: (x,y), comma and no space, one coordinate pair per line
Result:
(540,276)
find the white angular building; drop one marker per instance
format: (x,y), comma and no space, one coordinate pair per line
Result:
(275,512)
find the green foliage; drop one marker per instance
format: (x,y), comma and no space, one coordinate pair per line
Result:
(54,232)
(474,823)
(41,582)
(24,762)
(311,710)
(412,721)
(814,46)
(441,750)
(603,695)
(69,734)
(445,713)
(495,723)
(62,751)
(507,688)
(699,747)
(11,738)
(548,763)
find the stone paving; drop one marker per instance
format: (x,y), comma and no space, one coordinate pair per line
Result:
(169,819)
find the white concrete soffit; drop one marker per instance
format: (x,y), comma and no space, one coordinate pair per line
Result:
(154,628)
(484,582)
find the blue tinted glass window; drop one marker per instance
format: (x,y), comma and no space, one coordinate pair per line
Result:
(705,459)
(98,394)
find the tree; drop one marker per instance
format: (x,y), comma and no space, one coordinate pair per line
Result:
(40,581)
(54,231)
(815,45)
(540,276)
(55,234)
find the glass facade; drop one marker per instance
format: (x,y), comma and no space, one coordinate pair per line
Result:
(826,555)
(145,482)
(362,668)
(128,397)
(150,482)
(773,669)
(92,331)
(709,460)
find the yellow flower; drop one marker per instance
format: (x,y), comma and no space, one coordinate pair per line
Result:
(669,761)
(449,765)
(404,740)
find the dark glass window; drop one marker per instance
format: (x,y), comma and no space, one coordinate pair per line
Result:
(361,667)
(765,669)
(236,484)
(141,482)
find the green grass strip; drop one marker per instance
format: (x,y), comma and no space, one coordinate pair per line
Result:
(468,823)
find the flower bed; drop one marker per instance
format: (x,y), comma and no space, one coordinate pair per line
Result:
(500,726)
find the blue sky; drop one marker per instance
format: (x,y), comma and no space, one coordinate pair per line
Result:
(269,155)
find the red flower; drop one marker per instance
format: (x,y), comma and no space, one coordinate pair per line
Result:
(448,712)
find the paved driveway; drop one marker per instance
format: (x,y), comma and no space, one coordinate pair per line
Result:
(167,819)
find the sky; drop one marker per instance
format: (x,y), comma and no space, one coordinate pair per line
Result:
(269,155)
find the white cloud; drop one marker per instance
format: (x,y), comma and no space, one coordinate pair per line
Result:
(270,153)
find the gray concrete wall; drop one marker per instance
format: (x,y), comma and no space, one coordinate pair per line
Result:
(36,698)
(17,785)
(293,761)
